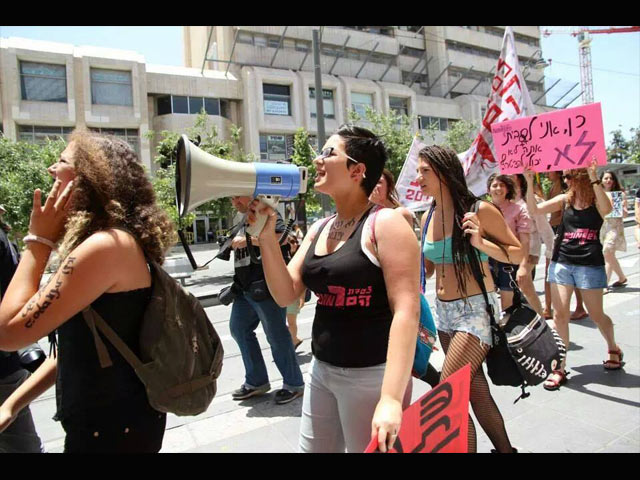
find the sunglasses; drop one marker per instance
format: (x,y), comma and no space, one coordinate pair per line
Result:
(328,152)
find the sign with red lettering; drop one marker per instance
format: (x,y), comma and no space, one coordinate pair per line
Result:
(409,193)
(509,98)
(560,140)
(438,421)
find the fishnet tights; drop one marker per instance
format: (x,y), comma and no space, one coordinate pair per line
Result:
(462,348)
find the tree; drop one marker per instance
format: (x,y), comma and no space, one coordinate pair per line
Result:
(634,145)
(164,179)
(395,130)
(618,149)
(303,156)
(460,135)
(23,168)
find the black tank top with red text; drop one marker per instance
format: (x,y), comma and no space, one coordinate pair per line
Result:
(578,239)
(353,317)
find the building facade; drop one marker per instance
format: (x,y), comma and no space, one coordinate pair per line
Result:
(260,78)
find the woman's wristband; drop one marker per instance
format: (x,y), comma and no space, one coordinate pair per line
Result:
(35,238)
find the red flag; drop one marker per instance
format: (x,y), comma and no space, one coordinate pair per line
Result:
(438,421)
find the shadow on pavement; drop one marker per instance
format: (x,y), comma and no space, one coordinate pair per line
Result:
(597,375)
(266,407)
(574,347)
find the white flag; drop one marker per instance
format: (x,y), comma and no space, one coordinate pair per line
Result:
(509,99)
(408,189)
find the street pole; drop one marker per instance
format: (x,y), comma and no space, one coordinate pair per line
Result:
(319,108)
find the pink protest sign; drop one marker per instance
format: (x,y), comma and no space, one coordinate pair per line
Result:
(559,140)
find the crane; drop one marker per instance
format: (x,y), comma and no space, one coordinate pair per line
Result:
(584,46)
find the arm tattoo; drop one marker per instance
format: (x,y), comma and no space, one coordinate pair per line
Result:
(54,294)
(67,269)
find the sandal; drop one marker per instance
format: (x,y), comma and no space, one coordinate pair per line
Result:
(615,364)
(547,314)
(578,317)
(554,383)
(619,283)
(295,347)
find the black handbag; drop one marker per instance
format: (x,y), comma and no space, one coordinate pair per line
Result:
(258,290)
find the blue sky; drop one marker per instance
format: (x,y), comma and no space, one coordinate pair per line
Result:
(615,61)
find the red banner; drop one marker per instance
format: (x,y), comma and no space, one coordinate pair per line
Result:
(438,421)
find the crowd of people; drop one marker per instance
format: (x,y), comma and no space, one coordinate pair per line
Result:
(102,219)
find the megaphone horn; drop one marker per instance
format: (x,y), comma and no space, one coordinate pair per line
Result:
(201,177)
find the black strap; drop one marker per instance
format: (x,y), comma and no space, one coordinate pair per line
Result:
(480,280)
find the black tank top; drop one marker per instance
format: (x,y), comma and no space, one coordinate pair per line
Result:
(83,388)
(353,317)
(578,239)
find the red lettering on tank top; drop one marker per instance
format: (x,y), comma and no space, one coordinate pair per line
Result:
(582,234)
(342,297)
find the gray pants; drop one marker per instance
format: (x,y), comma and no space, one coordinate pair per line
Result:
(338,407)
(20,436)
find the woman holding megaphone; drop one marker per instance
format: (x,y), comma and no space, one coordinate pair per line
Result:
(366,320)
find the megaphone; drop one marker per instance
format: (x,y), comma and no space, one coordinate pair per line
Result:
(201,177)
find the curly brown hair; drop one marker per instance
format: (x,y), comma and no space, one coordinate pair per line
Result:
(112,190)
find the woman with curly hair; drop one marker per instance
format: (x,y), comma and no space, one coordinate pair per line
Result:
(457,246)
(102,210)
(578,262)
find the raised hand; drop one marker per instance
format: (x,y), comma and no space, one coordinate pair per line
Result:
(48,221)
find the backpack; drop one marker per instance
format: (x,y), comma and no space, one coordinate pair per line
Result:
(180,352)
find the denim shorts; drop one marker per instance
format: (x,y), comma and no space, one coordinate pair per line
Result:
(580,276)
(468,316)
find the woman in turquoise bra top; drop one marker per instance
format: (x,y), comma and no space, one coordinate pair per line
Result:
(457,243)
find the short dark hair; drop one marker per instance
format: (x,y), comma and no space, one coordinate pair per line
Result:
(508,182)
(365,147)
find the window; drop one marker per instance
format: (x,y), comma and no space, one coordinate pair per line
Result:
(180,104)
(195,104)
(164,105)
(43,82)
(275,148)
(39,135)
(111,87)
(129,135)
(302,46)
(327,103)
(273,42)
(190,105)
(412,52)
(244,37)
(277,99)
(260,41)
(442,124)
(399,105)
(360,102)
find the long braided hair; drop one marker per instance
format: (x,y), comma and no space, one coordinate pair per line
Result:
(445,164)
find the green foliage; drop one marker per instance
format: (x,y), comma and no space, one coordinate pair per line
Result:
(617,151)
(164,179)
(460,135)
(23,168)
(303,156)
(395,130)
(634,146)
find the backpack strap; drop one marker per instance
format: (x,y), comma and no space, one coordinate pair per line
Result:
(423,275)
(94,320)
(372,227)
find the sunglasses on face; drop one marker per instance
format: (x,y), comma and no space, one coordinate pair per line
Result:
(328,152)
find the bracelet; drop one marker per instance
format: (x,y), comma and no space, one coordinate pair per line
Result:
(596,182)
(35,238)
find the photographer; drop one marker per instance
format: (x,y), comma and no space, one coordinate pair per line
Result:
(19,435)
(252,305)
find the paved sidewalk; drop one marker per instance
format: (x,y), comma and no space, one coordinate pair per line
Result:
(596,411)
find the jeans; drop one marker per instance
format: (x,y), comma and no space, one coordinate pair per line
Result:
(246,314)
(21,435)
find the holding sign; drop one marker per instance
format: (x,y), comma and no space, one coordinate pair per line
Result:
(560,140)
(438,421)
